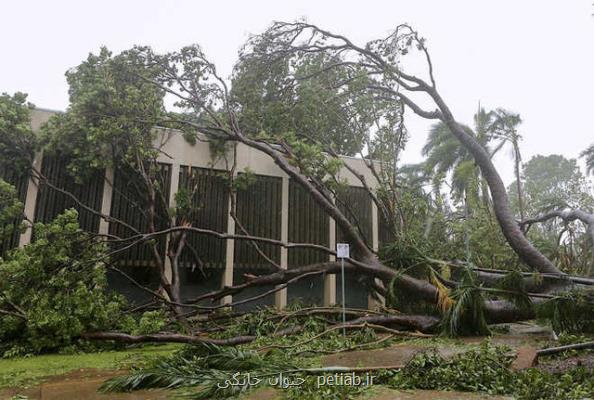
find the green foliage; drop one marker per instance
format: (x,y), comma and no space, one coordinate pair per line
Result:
(184,206)
(244,180)
(111,116)
(533,384)
(197,369)
(483,369)
(56,288)
(432,229)
(513,288)
(486,369)
(218,148)
(569,338)
(29,370)
(266,321)
(301,96)
(461,307)
(445,154)
(469,230)
(150,322)
(17,141)
(412,257)
(196,372)
(11,209)
(309,157)
(466,315)
(201,367)
(570,312)
(260,323)
(554,182)
(478,239)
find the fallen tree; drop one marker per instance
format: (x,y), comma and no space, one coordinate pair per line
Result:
(566,215)
(372,79)
(365,88)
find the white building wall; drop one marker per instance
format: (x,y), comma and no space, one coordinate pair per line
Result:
(176,151)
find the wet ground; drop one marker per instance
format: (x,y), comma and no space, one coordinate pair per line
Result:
(81,385)
(556,365)
(389,394)
(397,356)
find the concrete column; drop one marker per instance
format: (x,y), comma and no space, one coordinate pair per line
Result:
(31,201)
(374,226)
(372,303)
(173,188)
(280,298)
(106,201)
(330,279)
(229,256)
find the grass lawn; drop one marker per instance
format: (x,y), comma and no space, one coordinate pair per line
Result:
(28,371)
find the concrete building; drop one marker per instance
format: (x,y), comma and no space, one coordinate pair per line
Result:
(272,207)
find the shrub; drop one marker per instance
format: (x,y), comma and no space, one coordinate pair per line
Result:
(54,290)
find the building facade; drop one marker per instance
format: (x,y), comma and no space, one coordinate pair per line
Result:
(273,206)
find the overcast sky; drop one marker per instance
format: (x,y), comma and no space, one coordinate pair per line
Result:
(532,57)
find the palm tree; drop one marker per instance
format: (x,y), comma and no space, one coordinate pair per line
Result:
(588,154)
(504,128)
(446,155)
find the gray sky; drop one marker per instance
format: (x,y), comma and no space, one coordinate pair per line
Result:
(532,57)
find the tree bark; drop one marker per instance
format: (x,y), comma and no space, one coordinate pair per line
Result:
(510,228)
(165,338)
(560,349)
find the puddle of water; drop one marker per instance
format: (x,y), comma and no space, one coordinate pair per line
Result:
(87,389)
(82,385)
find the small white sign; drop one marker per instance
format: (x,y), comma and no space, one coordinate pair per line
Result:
(342,250)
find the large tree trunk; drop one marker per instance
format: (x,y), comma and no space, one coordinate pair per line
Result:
(364,260)
(510,228)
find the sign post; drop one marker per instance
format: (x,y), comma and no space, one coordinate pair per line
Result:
(342,252)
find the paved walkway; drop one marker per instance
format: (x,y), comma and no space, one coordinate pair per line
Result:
(398,355)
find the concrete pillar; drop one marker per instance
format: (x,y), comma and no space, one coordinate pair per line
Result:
(330,279)
(372,303)
(229,256)
(280,298)
(173,188)
(374,226)
(31,201)
(106,201)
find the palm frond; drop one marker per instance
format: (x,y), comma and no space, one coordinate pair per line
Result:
(199,370)
(466,316)
(169,373)
(444,301)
